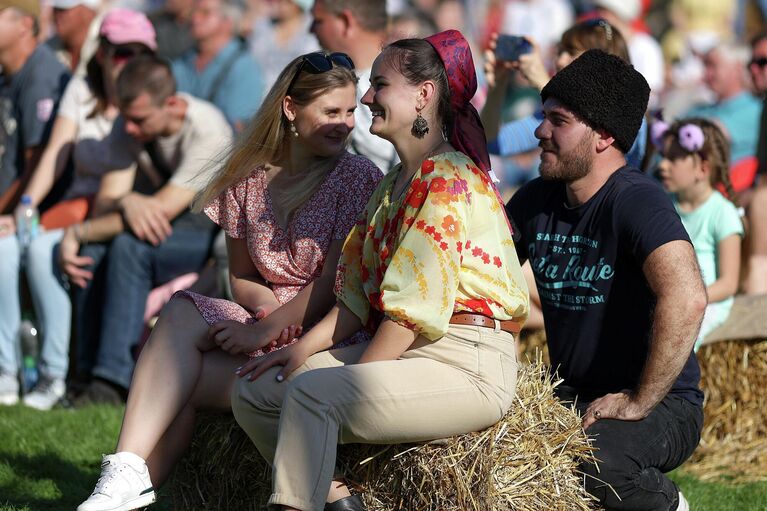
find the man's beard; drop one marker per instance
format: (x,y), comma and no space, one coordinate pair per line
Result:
(570,166)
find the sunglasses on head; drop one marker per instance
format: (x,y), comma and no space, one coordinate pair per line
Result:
(128,52)
(319,62)
(758,61)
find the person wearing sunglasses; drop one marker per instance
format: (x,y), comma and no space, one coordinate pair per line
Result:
(287,195)
(429,268)
(85,116)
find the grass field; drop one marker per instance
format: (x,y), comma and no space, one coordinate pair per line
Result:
(50,461)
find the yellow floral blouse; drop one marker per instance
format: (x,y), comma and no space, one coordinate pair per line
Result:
(444,246)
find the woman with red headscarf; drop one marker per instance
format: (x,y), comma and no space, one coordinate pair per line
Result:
(430,269)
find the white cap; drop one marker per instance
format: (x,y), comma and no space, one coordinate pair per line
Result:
(627,10)
(69,4)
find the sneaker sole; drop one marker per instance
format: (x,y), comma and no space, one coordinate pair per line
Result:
(137,503)
(38,406)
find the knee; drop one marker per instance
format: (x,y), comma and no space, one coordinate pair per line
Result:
(613,478)
(264,395)
(126,247)
(10,255)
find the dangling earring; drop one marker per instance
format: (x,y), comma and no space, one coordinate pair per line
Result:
(293,130)
(420,126)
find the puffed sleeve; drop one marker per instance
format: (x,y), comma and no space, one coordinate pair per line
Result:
(419,285)
(353,270)
(228,210)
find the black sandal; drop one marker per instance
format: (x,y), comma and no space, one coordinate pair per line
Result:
(350,503)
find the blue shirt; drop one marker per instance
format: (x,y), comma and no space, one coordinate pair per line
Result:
(740,117)
(519,137)
(232,81)
(28,102)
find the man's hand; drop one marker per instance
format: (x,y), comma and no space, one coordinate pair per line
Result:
(7,225)
(71,263)
(146,217)
(622,406)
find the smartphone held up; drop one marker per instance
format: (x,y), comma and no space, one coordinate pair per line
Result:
(510,47)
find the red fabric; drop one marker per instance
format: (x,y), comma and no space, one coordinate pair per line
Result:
(66,213)
(743,174)
(468,136)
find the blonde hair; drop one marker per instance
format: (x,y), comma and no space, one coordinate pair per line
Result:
(267,137)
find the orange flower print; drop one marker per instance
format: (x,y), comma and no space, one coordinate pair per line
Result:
(438,184)
(417,195)
(450,226)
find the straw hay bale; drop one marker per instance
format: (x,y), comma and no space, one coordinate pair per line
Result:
(734,439)
(526,462)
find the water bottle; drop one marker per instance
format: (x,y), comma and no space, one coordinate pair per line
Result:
(27,221)
(29,348)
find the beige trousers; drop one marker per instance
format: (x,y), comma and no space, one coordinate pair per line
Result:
(463,382)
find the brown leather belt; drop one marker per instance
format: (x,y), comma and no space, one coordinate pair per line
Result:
(467,318)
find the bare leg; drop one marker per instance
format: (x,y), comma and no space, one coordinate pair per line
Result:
(166,376)
(212,392)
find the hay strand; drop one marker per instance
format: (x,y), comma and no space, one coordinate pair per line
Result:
(733,444)
(527,462)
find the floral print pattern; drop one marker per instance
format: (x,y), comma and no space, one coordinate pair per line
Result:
(444,247)
(288,259)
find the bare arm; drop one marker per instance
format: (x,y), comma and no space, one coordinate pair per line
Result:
(249,289)
(389,342)
(729,270)
(673,275)
(53,159)
(308,305)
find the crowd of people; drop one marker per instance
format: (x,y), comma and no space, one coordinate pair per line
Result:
(347,211)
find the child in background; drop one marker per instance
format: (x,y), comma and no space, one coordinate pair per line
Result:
(694,167)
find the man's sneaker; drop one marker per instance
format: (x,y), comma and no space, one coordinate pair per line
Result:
(9,389)
(124,484)
(46,393)
(683,505)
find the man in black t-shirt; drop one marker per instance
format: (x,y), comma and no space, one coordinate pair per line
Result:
(620,287)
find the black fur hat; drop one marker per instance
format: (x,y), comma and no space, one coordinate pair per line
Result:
(604,91)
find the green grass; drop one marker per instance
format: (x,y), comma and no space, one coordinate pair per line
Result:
(50,461)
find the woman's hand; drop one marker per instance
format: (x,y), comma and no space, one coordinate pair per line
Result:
(496,72)
(532,67)
(7,225)
(290,358)
(235,337)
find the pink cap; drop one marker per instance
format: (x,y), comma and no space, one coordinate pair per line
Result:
(123,26)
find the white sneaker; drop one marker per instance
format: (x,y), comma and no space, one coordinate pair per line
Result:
(124,485)
(683,504)
(9,389)
(46,393)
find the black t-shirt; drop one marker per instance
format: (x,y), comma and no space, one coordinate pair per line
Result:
(587,262)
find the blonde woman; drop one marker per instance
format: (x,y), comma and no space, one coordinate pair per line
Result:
(287,197)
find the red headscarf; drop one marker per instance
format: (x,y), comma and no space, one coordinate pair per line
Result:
(468,136)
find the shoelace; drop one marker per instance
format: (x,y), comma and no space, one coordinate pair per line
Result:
(109,473)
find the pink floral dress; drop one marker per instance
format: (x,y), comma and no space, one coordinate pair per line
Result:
(288,259)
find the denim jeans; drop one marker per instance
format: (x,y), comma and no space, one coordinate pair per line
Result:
(633,456)
(53,308)
(110,311)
